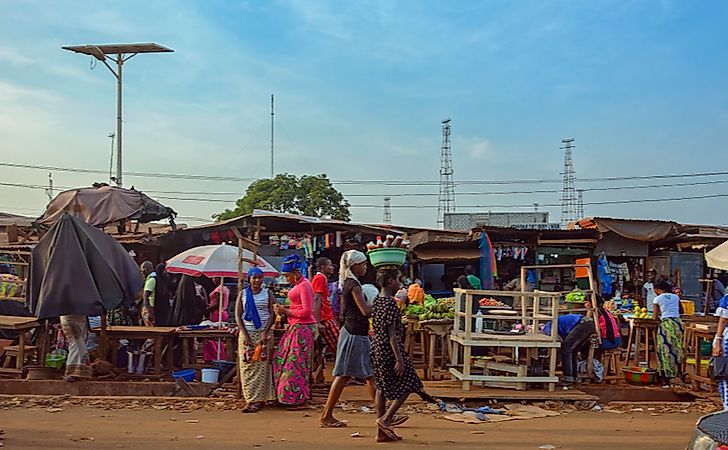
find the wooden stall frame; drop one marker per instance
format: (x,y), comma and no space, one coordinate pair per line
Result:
(467,339)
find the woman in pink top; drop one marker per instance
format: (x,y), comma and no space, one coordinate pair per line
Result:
(211,350)
(291,369)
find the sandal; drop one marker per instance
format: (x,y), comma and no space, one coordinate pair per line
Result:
(388,432)
(251,408)
(337,424)
(399,419)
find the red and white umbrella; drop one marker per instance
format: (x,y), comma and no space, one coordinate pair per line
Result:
(216,261)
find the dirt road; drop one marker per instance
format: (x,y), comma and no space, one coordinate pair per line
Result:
(95,428)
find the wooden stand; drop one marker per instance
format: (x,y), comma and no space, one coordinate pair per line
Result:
(525,347)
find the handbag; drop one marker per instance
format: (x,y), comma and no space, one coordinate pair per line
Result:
(718,368)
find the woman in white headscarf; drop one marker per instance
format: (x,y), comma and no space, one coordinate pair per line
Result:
(352,352)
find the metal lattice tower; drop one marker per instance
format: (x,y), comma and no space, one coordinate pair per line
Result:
(387,209)
(446,199)
(580,204)
(568,194)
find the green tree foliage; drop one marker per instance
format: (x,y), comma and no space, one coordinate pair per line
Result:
(310,195)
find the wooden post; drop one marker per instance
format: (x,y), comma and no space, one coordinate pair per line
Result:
(523,296)
(104,338)
(468,312)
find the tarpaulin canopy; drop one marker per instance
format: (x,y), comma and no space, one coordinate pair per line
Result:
(78,269)
(718,257)
(638,230)
(103,205)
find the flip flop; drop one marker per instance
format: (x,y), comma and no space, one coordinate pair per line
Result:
(399,419)
(337,424)
(389,432)
(251,409)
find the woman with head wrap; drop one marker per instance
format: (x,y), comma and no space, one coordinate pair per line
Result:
(291,368)
(254,316)
(669,345)
(352,352)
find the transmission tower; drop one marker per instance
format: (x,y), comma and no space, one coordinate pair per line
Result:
(387,209)
(568,194)
(446,199)
(580,204)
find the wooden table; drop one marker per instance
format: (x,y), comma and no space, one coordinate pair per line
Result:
(698,335)
(158,334)
(637,329)
(187,336)
(437,332)
(22,325)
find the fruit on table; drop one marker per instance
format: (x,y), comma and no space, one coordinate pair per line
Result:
(491,303)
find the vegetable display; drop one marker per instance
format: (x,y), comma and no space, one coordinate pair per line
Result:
(433,309)
(492,303)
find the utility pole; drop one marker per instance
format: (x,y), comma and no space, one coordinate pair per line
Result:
(446,199)
(568,193)
(49,190)
(111,159)
(272,129)
(387,209)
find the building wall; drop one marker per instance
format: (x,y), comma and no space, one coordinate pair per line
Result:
(468,221)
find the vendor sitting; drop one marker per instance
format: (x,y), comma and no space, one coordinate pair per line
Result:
(608,328)
(574,331)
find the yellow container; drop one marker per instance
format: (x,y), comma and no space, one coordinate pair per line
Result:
(688,307)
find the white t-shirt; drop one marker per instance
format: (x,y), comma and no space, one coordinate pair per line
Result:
(649,291)
(669,305)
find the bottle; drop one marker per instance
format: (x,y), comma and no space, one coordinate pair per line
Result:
(389,240)
(380,244)
(397,242)
(479,322)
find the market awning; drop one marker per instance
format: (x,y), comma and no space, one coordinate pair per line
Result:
(447,254)
(638,230)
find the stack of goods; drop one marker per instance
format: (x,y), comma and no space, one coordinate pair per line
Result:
(491,303)
(389,242)
(641,313)
(576,296)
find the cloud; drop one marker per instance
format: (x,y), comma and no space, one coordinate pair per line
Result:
(477,148)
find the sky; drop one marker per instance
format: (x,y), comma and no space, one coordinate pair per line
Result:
(361,88)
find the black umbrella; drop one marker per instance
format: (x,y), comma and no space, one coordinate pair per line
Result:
(79,269)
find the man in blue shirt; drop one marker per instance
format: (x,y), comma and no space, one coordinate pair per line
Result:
(574,331)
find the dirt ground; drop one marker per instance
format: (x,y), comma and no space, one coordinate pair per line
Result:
(79,427)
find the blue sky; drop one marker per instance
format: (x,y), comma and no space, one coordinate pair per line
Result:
(361,88)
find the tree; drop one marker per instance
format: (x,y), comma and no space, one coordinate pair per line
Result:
(310,195)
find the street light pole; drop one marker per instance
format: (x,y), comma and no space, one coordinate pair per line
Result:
(120,52)
(119,64)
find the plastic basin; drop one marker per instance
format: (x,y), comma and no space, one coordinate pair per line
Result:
(387,256)
(639,375)
(224,367)
(186,374)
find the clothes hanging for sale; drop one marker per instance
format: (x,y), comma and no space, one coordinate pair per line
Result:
(339,239)
(605,277)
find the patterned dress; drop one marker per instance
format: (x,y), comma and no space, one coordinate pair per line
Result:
(256,376)
(384,314)
(291,362)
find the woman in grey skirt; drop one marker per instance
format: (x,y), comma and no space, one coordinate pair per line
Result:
(352,352)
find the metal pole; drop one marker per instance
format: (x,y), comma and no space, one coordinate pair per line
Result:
(119,63)
(272,166)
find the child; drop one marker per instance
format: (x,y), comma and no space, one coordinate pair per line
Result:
(394,375)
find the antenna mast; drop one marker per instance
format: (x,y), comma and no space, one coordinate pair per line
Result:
(568,194)
(446,200)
